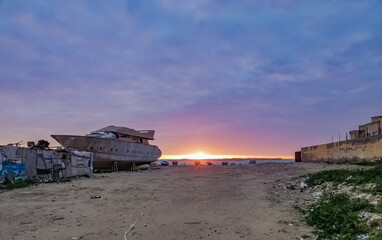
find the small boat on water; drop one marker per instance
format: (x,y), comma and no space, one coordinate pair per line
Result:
(114,145)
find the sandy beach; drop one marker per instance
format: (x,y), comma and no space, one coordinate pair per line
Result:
(203,202)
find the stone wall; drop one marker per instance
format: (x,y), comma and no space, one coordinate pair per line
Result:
(366,149)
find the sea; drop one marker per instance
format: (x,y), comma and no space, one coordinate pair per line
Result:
(230,161)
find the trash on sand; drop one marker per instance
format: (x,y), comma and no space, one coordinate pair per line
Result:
(303,185)
(224,163)
(175,163)
(132,226)
(182,164)
(317,194)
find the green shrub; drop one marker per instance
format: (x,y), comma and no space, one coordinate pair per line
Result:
(19,184)
(351,177)
(335,216)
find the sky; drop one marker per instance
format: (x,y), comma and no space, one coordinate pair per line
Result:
(256,78)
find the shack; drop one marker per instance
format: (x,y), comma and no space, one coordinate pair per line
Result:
(39,161)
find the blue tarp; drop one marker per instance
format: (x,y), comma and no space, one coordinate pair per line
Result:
(18,169)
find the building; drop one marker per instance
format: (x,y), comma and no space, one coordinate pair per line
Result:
(364,145)
(372,128)
(47,163)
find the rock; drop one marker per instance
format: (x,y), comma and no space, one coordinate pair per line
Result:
(95,196)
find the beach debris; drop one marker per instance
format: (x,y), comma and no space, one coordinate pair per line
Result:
(192,223)
(132,226)
(225,163)
(42,144)
(209,163)
(363,236)
(175,163)
(182,164)
(303,185)
(197,163)
(95,196)
(164,163)
(252,161)
(364,214)
(317,195)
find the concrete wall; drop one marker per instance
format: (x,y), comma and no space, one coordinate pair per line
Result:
(357,150)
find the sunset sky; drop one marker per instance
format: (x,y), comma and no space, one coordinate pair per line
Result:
(254,78)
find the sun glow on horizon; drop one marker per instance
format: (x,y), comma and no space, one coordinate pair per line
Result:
(201,156)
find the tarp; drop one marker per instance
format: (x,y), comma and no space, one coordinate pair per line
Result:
(17,170)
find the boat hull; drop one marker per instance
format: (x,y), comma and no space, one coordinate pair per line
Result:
(108,151)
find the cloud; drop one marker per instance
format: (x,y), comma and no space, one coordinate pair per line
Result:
(217,65)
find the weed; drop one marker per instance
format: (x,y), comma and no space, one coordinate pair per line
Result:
(378,208)
(376,236)
(373,224)
(335,216)
(350,177)
(8,185)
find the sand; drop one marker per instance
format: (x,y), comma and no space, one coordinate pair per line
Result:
(193,202)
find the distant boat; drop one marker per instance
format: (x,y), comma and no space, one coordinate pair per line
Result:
(209,163)
(113,144)
(197,163)
(164,163)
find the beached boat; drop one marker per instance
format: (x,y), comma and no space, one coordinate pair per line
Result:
(164,163)
(143,167)
(113,144)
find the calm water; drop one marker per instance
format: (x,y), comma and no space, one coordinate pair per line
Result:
(219,162)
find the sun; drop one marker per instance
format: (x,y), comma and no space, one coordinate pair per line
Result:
(197,156)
